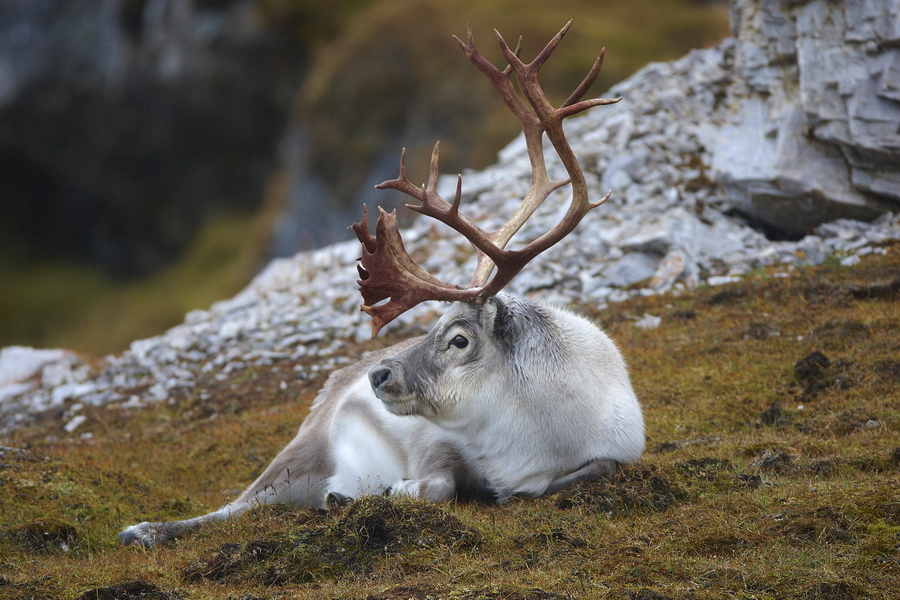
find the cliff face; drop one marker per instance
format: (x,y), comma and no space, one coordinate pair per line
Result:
(124,123)
(808,128)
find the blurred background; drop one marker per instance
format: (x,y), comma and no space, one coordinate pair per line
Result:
(155,154)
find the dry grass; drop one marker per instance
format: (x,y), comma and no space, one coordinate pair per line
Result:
(766,476)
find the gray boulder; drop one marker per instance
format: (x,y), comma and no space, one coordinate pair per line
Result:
(807,130)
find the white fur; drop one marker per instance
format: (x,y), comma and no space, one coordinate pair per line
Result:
(527,421)
(366,462)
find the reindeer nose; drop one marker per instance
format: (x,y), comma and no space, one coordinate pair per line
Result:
(379,377)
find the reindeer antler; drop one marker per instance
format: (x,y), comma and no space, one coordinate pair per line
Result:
(387,271)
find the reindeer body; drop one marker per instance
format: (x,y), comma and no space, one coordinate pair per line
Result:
(534,400)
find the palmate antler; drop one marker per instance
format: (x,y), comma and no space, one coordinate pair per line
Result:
(388,272)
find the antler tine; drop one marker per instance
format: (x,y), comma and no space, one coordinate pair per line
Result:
(401,183)
(572,105)
(388,272)
(434,206)
(587,82)
(500,79)
(402,174)
(518,46)
(431,189)
(535,65)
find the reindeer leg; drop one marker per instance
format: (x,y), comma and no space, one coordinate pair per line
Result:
(601,467)
(148,535)
(296,476)
(434,488)
(367,458)
(442,475)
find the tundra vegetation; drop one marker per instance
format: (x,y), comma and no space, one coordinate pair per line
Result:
(772,470)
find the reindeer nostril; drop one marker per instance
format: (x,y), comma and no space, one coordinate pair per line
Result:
(379,377)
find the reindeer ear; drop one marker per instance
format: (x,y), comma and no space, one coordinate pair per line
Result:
(512,321)
(499,309)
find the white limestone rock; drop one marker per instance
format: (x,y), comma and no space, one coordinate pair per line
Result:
(816,99)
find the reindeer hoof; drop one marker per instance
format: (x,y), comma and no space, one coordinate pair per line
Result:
(336,500)
(139,535)
(127,537)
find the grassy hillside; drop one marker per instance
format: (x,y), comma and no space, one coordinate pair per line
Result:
(772,470)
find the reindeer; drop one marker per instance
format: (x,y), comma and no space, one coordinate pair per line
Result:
(504,397)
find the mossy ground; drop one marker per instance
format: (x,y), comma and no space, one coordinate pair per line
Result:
(771,472)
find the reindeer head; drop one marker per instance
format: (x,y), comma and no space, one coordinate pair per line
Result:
(387,272)
(490,350)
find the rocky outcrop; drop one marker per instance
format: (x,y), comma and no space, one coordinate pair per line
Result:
(807,128)
(123,124)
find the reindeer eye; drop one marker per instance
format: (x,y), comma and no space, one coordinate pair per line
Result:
(459,341)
